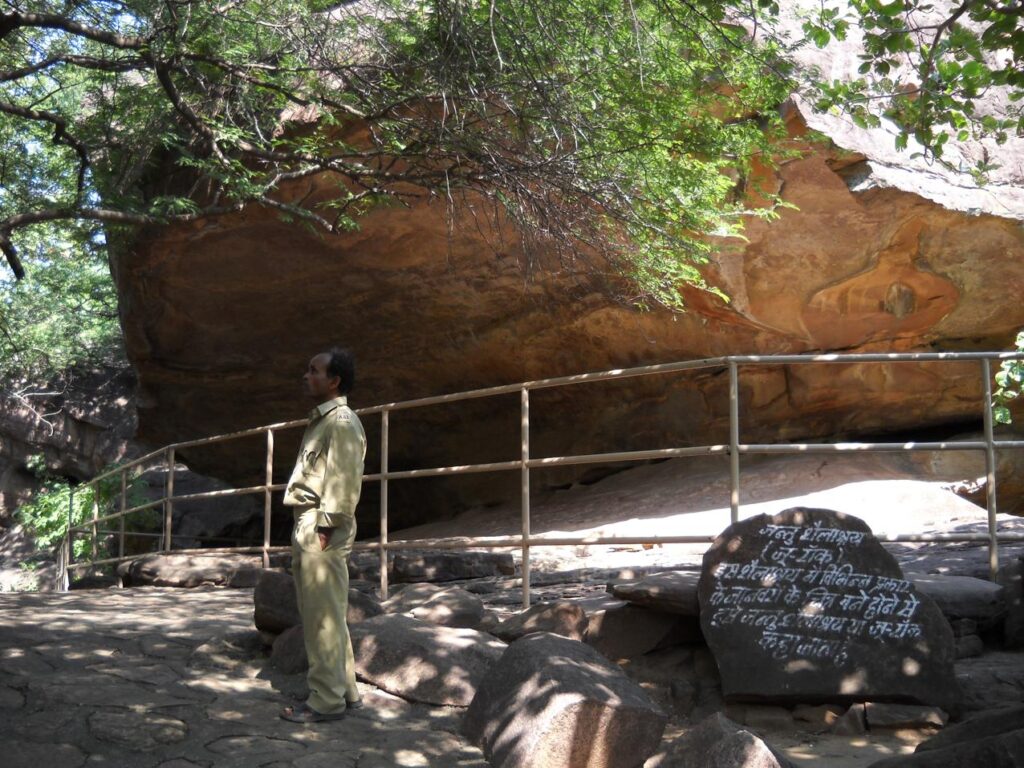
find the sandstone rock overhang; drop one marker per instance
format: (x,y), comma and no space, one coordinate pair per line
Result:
(879,253)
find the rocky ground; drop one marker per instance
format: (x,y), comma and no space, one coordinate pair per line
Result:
(179,677)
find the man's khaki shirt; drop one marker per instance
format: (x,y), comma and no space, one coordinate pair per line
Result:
(328,473)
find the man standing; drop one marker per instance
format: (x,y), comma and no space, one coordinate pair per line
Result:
(323,491)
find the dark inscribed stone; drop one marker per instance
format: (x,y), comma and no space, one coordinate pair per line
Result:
(808,607)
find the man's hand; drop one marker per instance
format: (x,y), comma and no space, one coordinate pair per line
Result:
(324,534)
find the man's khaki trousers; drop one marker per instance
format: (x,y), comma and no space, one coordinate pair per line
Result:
(321,583)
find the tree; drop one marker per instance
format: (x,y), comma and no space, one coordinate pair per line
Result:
(610,130)
(602,128)
(938,69)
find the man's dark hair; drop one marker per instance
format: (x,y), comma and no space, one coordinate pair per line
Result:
(342,365)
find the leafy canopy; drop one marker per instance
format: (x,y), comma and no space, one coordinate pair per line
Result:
(602,128)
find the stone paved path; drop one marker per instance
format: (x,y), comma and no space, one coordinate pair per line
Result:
(167,677)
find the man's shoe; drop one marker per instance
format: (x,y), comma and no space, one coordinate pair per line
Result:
(303,713)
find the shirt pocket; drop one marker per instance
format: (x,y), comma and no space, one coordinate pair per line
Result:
(314,461)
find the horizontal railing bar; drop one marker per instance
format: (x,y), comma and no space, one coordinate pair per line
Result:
(872,357)
(218,494)
(126,466)
(234,435)
(656,453)
(965,445)
(114,515)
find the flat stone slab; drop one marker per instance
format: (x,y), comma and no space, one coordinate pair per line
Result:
(423,662)
(670,591)
(808,607)
(137,731)
(632,630)
(963,597)
(553,701)
(169,570)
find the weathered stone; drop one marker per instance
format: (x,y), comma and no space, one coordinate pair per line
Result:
(1005,750)
(423,662)
(981,725)
(963,597)
(671,592)
(275,606)
(11,698)
(884,715)
(444,606)
(450,566)
(137,731)
(362,606)
(821,716)
(991,681)
(631,630)
(852,722)
(289,651)
(807,606)
(963,627)
(969,646)
(562,618)
(718,742)
(228,651)
(1011,577)
(552,701)
(169,570)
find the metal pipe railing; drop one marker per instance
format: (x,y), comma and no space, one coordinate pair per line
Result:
(734,449)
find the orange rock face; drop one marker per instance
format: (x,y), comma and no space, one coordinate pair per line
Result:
(220,318)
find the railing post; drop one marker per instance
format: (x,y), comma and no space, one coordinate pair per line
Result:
(64,556)
(383,538)
(990,471)
(525,489)
(734,442)
(269,481)
(95,525)
(124,506)
(168,496)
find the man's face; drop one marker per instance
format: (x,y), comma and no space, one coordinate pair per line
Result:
(319,385)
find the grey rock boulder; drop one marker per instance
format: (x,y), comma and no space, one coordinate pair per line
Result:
(450,566)
(964,597)
(444,606)
(423,662)
(289,651)
(169,570)
(717,742)
(632,630)
(561,618)
(553,702)
(808,607)
(275,607)
(670,592)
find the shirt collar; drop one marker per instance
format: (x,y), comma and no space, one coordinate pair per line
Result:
(324,408)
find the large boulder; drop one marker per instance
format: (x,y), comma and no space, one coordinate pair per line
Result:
(561,618)
(671,592)
(718,742)
(964,597)
(631,630)
(446,606)
(171,570)
(423,662)
(807,606)
(276,606)
(450,566)
(552,702)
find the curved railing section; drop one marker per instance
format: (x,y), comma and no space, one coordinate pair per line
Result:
(734,449)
